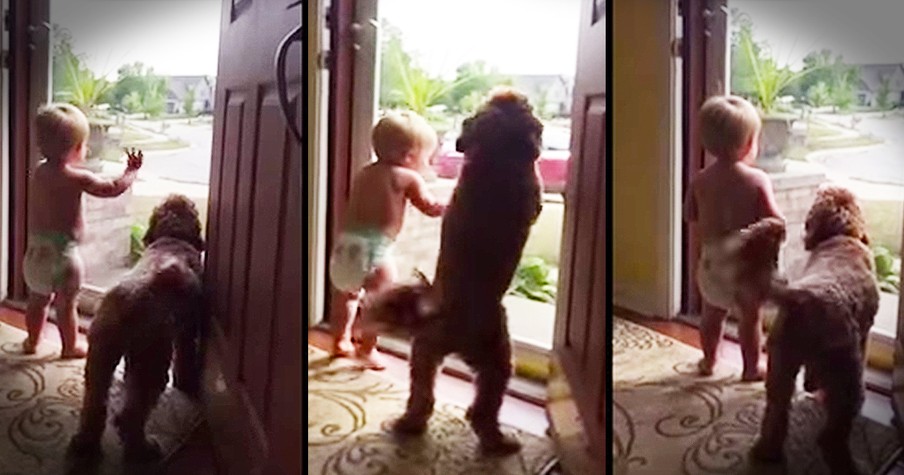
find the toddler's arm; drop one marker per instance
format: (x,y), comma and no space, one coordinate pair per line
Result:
(768,206)
(106,188)
(422,199)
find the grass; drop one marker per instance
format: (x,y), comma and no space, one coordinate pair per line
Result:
(883,221)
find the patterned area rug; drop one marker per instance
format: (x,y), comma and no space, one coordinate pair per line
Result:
(40,401)
(349,410)
(668,420)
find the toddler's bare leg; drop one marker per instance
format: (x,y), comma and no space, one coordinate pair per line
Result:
(67,316)
(342,317)
(750,332)
(35,316)
(711,329)
(382,277)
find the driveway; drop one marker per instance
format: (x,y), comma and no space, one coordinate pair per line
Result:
(187,165)
(883,163)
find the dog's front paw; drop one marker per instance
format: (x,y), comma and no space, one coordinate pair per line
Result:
(144,451)
(84,450)
(407,425)
(499,445)
(766,452)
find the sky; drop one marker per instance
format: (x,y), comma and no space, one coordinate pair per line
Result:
(175,37)
(863,31)
(516,36)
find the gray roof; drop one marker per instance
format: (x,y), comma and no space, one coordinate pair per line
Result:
(872,75)
(178,85)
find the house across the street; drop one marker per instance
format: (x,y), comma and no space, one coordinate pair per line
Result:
(875,77)
(178,89)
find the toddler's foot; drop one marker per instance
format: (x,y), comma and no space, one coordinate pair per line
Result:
(372,360)
(74,353)
(705,367)
(343,348)
(754,376)
(29,347)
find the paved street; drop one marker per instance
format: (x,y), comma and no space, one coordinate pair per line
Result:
(186,165)
(883,163)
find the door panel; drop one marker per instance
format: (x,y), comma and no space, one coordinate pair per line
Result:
(29,84)
(704,51)
(581,327)
(253,261)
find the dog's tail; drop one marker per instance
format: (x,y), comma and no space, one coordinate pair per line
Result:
(171,276)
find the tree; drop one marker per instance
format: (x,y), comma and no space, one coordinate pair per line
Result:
(819,95)
(188,102)
(139,89)
(473,79)
(882,95)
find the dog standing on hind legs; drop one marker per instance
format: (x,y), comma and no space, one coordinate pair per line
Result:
(484,230)
(156,308)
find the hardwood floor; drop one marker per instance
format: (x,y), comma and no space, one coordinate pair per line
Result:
(196,457)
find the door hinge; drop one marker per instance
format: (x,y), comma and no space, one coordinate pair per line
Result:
(677,47)
(4,59)
(324,59)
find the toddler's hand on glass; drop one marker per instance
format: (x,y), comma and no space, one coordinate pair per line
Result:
(135,158)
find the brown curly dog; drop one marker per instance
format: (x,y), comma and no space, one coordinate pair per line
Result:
(823,322)
(485,227)
(156,307)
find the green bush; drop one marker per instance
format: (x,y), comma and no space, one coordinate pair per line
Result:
(888,270)
(533,281)
(137,245)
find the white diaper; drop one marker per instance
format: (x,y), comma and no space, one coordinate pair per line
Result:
(716,273)
(356,254)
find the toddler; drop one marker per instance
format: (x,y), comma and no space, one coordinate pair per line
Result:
(361,259)
(724,198)
(52,267)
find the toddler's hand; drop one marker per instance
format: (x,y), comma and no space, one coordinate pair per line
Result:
(135,159)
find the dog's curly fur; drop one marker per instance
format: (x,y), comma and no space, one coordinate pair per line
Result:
(823,323)
(484,230)
(154,308)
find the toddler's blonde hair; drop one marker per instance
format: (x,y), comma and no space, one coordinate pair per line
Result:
(398,133)
(727,124)
(59,128)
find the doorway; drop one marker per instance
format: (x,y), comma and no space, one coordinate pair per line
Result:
(432,67)
(806,81)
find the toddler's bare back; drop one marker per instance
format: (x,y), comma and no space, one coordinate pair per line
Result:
(727,197)
(379,196)
(55,204)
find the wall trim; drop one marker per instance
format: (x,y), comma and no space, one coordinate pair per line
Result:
(316,160)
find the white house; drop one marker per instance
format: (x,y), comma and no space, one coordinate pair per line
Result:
(872,77)
(179,86)
(551,92)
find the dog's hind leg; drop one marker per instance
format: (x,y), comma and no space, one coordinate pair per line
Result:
(844,398)
(427,354)
(146,378)
(187,360)
(494,369)
(104,353)
(780,384)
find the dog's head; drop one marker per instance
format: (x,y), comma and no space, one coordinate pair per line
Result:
(403,308)
(834,213)
(176,217)
(504,128)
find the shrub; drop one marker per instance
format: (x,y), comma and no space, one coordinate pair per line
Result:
(532,281)
(888,270)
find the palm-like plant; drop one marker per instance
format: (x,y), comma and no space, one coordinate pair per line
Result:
(769,80)
(82,88)
(420,91)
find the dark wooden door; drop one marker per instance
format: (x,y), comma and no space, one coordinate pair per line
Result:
(253,272)
(704,52)
(581,328)
(29,73)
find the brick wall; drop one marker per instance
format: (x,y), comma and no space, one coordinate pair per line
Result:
(106,242)
(794,194)
(417,246)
